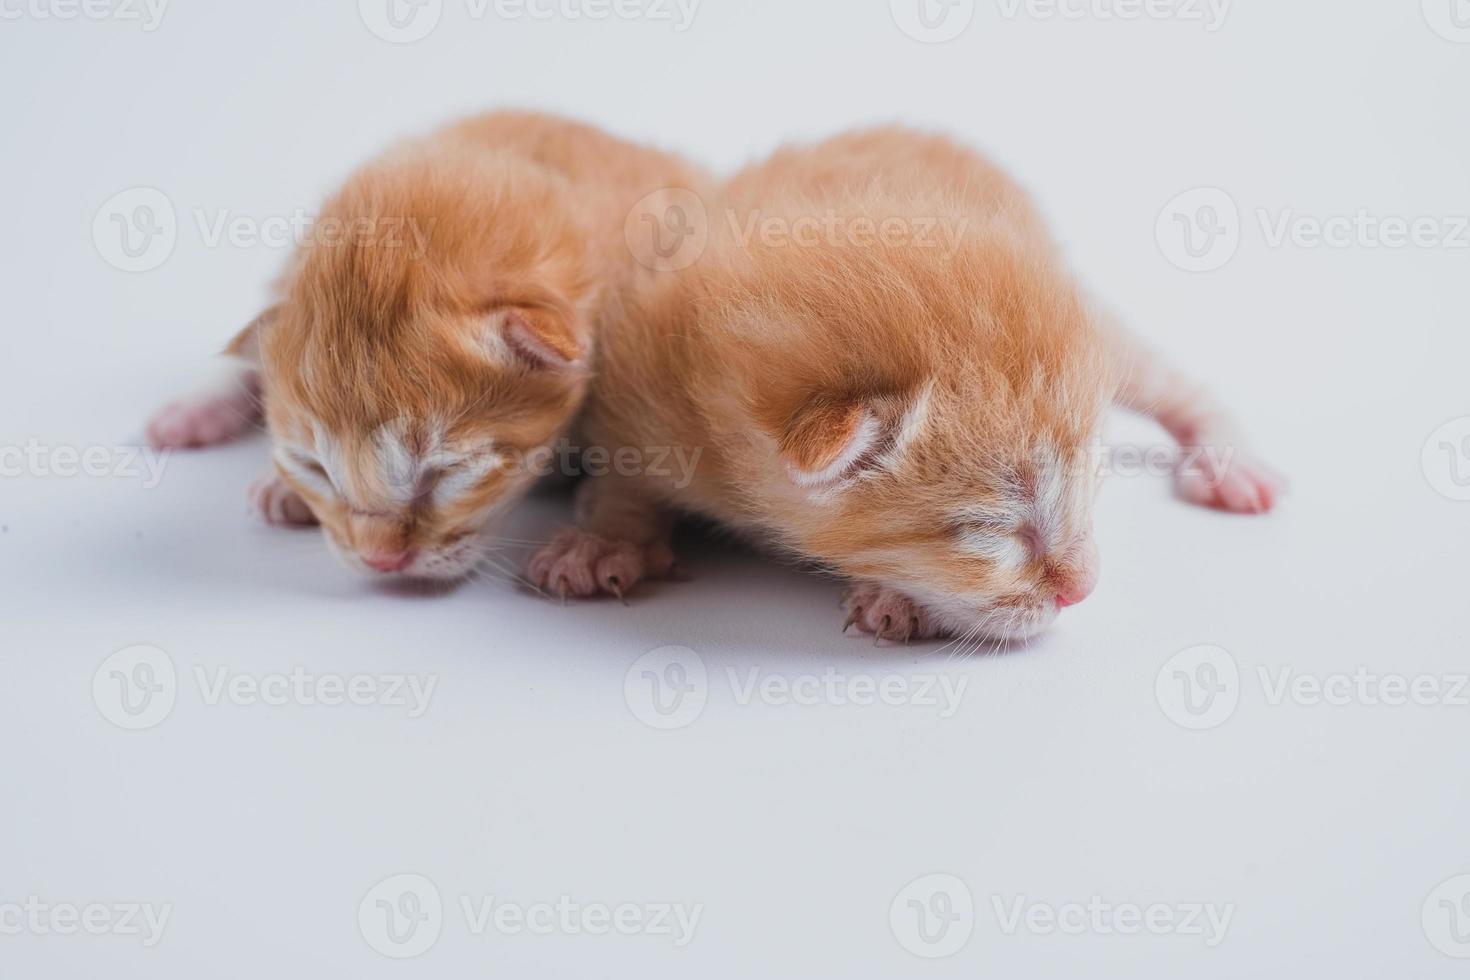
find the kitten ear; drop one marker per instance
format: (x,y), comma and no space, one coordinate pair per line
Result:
(538,337)
(825,438)
(246,343)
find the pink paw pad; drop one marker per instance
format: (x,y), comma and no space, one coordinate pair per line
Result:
(196,423)
(1241,485)
(277,504)
(887,615)
(583,565)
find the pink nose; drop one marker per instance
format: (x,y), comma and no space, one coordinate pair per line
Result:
(388,561)
(1075,592)
(1078,575)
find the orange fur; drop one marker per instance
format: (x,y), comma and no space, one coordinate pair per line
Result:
(462,331)
(770,356)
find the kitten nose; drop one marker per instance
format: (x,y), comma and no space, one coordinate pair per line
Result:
(1079,578)
(1075,591)
(393,561)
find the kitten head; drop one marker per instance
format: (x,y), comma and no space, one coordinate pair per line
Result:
(421,356)
(932,422)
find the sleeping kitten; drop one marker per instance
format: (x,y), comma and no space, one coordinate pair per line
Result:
(436,338)
(891,376)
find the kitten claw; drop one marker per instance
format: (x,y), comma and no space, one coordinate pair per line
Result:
(875,609)
(584,565)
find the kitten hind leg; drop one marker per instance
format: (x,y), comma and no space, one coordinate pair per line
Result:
(225,408)
(1215,469)
(622,539)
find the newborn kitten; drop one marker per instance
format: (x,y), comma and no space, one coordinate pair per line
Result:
(891,376)
(432,335)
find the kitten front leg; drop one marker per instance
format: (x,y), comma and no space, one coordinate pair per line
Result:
(886,614)
(1216,470)
(277,503)
(622,539)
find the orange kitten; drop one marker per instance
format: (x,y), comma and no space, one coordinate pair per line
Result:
(890,375)
(433,334)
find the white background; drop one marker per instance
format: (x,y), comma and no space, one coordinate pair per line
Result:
(1059,778)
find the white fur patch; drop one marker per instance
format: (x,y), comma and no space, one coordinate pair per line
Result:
(461,475)
(396,475)
(1049,514)
(1063,496)
(396,465)
(1037,520)
(1002,549)
(992,534)
(492,343)
(299,463)
(302,462)
(406,473)
(915,420)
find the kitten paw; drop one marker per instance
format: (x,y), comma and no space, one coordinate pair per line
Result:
(1239,484)
(202,421)
(887,615)
(277,504)
(580,564)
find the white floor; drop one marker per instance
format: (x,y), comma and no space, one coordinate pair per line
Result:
(1083,820)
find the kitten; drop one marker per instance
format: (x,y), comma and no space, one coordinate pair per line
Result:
(890,375)
(433,334)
